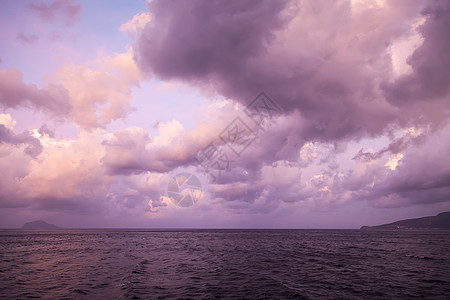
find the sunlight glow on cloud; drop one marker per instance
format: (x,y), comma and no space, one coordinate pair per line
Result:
(136,24)
(394,161)
(8,121)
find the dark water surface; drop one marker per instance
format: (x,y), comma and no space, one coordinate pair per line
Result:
(252,264)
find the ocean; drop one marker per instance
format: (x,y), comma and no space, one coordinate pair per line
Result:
(224,264)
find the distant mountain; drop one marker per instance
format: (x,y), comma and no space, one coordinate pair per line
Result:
(441,221)
(39,225)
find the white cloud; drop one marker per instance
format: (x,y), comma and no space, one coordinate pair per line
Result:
(136,24)
(8,121)
(393,161)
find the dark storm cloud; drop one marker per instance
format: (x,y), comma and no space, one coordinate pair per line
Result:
(196,39)
(329,67)
(427,87)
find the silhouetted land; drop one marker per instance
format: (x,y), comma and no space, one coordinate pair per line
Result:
(441,221)
(39,225)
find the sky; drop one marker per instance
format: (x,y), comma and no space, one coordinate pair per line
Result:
(223,114)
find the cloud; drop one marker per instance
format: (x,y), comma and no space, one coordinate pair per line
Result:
(133,150)
(100,91)
(14,93)
(429,80)
(28,39)
(332,67)
(65,173)
(67,11)
(136,24)
(203,37)
(33,146)
(421,175)
(91,94)
(7,121)
(417,176)
(14,165)
(69,175)
(336,76)
(42,171)
(358,123)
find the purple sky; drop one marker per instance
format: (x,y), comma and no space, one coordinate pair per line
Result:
(103,102)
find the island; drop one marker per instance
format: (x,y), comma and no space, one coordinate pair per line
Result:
(440,221)
(39,225)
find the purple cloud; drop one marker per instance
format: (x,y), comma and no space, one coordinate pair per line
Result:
(239,48)
(68,10)
(328,66)
(355,127)
(28,39)
(429,83)
(14,93)
(201,38)
(33,145)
